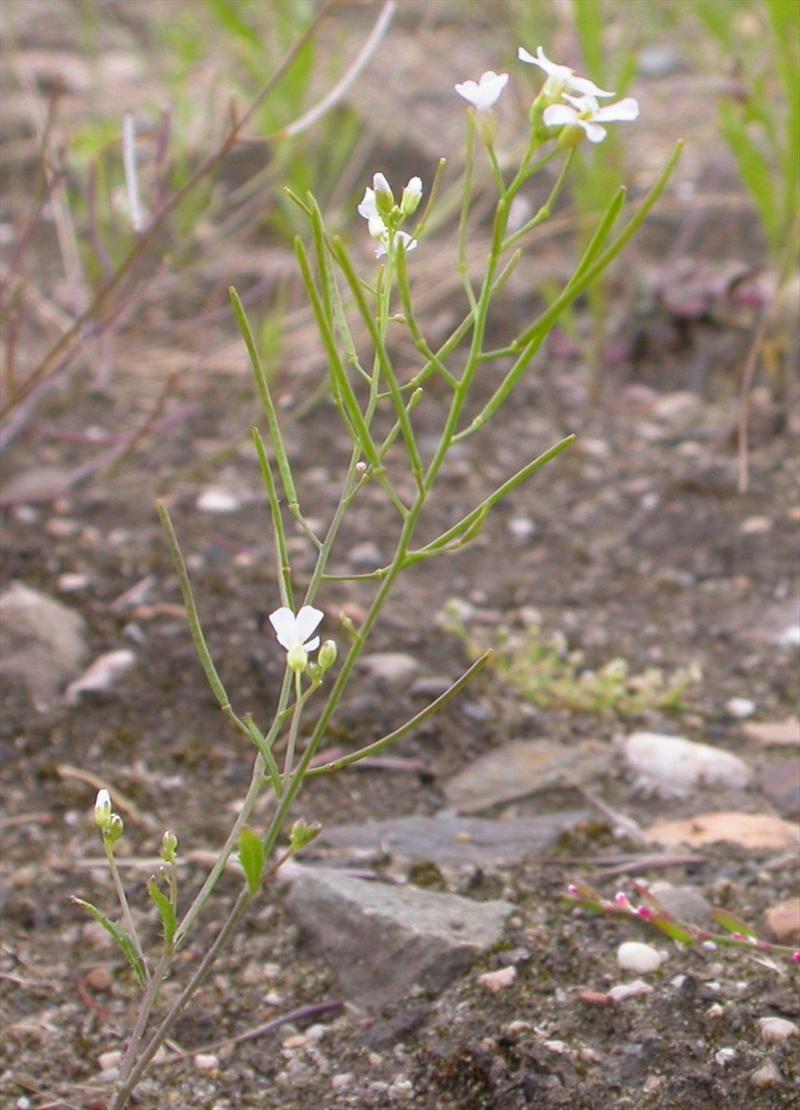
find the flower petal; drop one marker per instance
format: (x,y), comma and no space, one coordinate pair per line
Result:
(594,132)
(585,86)
(559,115)
(368,207)
(312,645)
(284,622)
(307,620)
(626,109)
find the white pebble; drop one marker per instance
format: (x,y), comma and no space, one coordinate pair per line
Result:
(740,707)
(767,1075)
(342,1080)
(775,1029)
(641,958)
(495,981)
(206,1061)
(217,499)
(725,1056)
(109,1060)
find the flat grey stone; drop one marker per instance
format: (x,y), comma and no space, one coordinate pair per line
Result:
(451,840)
(383,941)
(395,668)
(42,642)
(520,768)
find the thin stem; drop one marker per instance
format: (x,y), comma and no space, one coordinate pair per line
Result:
(292,741)
(398,734)
(123,901)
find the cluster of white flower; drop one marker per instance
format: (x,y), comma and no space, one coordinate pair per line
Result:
(575,100)
(383,216)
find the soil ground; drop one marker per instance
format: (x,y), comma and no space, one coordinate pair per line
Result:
(640,547)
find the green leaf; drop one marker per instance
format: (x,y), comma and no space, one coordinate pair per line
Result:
(731,923)
(165,909)
(119,935)
(252,858)
(672,929)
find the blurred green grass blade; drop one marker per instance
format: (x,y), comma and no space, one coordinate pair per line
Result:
(755,172)
(266,399)
(281,548)
(203,654)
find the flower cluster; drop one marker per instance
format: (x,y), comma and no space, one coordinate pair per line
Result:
(571,101)
(384,217)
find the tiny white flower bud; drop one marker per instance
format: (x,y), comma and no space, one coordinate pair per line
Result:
(169,846)
(327,655)
(114,829)
(102,809)
(412,194)
(384,197)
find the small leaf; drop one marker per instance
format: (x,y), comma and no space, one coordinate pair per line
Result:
(165,909)
(731,923)
(120,936)
(251,857)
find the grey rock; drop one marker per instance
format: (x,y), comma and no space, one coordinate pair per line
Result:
(383,941)
(366,556)
(42,642)
(519,768)
(685,903)
(781,784)
(455,841)
(392,667)
(431,686)
(101,675)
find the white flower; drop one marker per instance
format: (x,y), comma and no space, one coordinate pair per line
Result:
(560,79)
(585,112)
(373,209)
(369,210)
(399,236)
(483,94)
(296,633)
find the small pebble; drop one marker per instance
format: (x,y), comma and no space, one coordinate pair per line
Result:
(99,978)
(634,956)
(206,1061)
(341,1081)
(783,921)
(495,981)
(216,499)
(107,1061)
(633,989)
(741,708)
(767,1075)
(774,1030)
(725,1056)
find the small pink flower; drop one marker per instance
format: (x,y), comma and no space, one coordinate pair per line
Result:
(796,957)
(645,913)
(621,900)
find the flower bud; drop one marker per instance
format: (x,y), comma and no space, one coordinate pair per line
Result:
(412,194)
(384,197)
(102,809)
(169,846)
(302,833)
(327,655)
(114,829)
(297,658)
